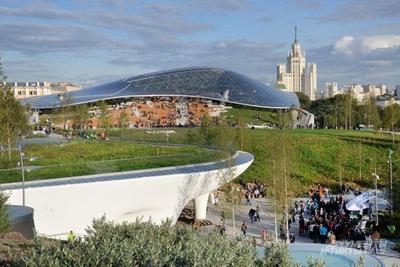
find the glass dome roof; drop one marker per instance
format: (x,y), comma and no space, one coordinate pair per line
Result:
(200,82)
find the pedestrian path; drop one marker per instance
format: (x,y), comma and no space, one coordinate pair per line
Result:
(389,258)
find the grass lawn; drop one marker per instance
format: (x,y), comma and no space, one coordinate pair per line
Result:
(314,155)
(90,157)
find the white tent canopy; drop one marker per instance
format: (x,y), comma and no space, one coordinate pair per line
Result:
(359,202)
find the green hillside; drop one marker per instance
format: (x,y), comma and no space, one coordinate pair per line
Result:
(314,156)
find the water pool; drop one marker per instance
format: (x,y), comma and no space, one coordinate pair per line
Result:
(333,256)
(301,256)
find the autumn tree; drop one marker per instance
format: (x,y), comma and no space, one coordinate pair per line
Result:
(13,117)
(81,115)
(105,118)
(123,122)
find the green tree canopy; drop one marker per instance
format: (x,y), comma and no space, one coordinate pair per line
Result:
(13,117)
(391,117)
(305,101)
(280,86)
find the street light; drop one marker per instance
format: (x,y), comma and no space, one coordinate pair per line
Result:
(23,175)
(61,98)
(376,195)
(391,182)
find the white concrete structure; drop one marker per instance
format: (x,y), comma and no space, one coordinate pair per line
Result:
(303,119)
(65,204)
(295,76)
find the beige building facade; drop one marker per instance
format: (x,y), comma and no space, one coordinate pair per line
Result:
(296,75)
(32,89)
(363,92)
(331,89)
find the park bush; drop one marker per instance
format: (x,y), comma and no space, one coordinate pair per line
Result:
(141,244)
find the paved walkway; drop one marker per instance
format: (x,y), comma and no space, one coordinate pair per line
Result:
(390,257)
(53,138)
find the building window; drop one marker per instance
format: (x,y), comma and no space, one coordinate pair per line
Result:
(19,92)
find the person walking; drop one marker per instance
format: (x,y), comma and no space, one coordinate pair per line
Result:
(252,215)
(257,213)
(244,228)
(248,202)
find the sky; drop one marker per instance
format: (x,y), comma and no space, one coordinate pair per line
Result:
(91,42)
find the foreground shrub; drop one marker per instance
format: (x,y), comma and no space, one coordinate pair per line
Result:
(142,244)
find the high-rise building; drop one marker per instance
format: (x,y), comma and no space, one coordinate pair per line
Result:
(397,91)
(296,75)
(331,90)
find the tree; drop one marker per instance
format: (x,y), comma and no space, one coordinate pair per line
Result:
(123,121)
(240,136)
(208,130)
(4,221)
(81,115)
(232,192)
(105,118)
(280,86)
(65,106)
(282,187)
(304,100)
(190,137)
(13,117)
(371,114)
(391,116)
(285,119)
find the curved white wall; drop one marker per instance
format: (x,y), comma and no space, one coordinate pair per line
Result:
(61,205)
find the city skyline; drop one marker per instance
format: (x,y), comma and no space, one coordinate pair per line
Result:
(92,42)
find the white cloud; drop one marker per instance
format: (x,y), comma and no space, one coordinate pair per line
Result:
(221,45)
(350,46)
(344,45)
(377,42)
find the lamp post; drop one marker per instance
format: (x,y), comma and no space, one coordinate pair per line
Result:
(391,182)
(61,98)
(376,196)
(23,176)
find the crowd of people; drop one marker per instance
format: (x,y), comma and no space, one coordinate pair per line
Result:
(324,219)
(159,112)
(252,190)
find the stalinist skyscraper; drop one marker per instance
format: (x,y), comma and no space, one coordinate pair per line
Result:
(295,76)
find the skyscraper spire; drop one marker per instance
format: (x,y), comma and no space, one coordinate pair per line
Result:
(295,34)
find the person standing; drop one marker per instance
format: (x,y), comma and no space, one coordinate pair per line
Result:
(71,237)
(257,213)
(323,233)
(302,224)
(332,238)
(376,238)
(292,238)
